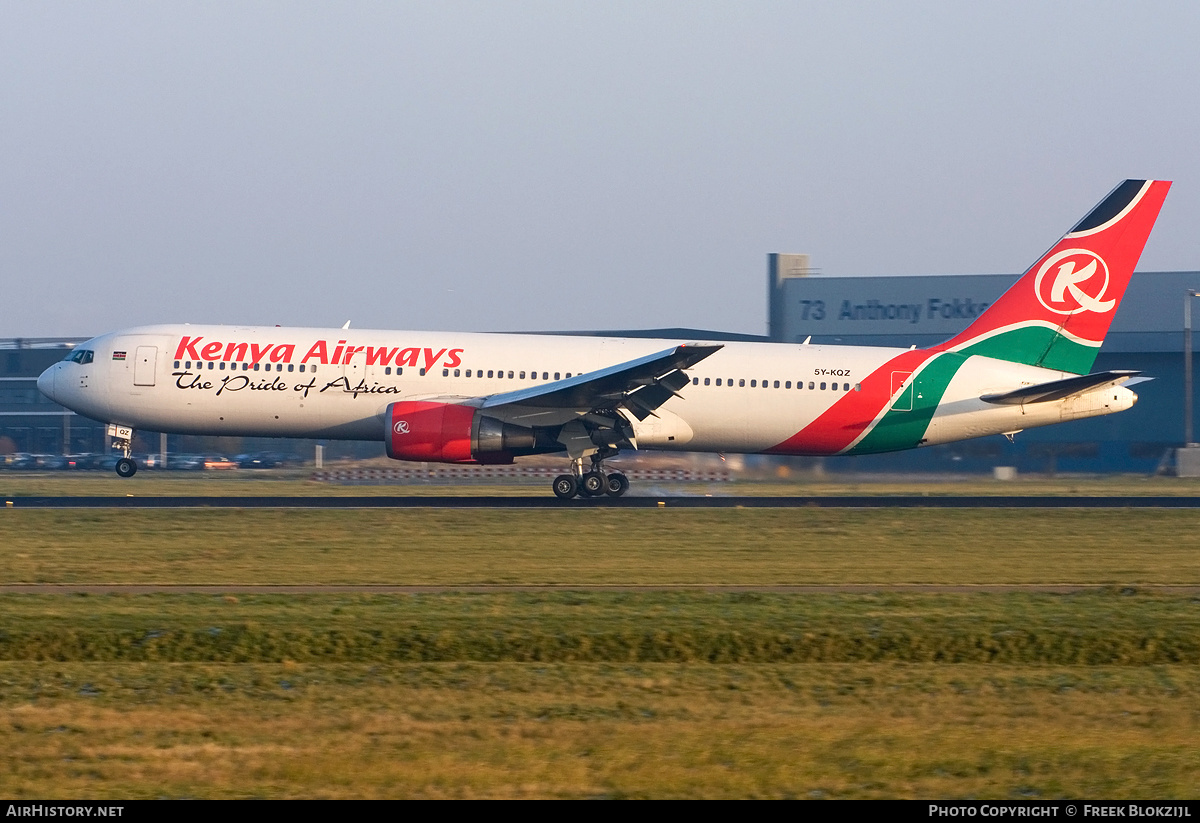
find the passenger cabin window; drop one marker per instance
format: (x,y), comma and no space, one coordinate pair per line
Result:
(742,382)
(777,384)
(490,372)
(422,372)
(556,375)
(753,384)
(810,384)
(822,387)
(456,372)
(786,385)
(706,381)
(718,381)
(522,375)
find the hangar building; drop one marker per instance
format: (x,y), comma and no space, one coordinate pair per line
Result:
(1146,334)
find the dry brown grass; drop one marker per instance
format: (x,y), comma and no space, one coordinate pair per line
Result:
(602,547)
(469,729)
(509,730)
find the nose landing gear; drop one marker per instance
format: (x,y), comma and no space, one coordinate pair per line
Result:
(592,483)
(126,467)
(123,441)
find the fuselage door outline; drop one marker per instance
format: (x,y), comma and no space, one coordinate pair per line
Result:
(902,391)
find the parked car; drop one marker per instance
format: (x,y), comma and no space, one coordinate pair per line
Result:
(259,460)
(185,462)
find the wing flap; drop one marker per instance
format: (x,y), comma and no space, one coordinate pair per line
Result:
(1059,389)
(641,385)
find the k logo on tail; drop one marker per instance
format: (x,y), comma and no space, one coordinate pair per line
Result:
(1079,283)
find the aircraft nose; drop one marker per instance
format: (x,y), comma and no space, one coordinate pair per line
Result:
(45,382)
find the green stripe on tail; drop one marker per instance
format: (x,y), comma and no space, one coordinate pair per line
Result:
(1036,345)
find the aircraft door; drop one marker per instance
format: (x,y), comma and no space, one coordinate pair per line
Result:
(355,370)
(144,364)
(902,391)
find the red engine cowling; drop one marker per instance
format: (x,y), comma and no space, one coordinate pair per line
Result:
(429,432)
(449,433)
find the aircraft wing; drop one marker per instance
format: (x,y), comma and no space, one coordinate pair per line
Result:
(1059,389)
(640,385)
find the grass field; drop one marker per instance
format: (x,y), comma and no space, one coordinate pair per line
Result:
(598,730)
(577,693)
(602,547)
(1107,627)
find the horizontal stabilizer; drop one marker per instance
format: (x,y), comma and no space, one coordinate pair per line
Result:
(1059,389)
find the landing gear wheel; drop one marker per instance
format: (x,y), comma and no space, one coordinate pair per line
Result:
(565,486)
(126,467)
(616,484)
(593,485)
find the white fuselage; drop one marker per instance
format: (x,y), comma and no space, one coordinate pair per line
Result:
(322,383)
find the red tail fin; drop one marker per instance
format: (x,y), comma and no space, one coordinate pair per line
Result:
(1058,313)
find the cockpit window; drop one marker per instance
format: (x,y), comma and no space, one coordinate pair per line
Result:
(81,356)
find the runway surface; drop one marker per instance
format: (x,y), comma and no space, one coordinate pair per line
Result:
(548,502)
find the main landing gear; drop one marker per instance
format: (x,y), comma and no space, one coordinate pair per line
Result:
(593,483)
(123,441)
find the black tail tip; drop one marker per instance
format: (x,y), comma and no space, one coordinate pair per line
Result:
(1116,202)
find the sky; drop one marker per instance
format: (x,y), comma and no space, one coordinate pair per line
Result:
(513,166)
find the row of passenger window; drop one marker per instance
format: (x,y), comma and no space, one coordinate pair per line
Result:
(500,373)
(212,364)
(493,373)
(787,384)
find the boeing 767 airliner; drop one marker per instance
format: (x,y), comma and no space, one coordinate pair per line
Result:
(488,398)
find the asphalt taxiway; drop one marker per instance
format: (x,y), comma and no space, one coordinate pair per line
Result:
(648,502)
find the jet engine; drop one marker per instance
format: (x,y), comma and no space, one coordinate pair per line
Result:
(433,432)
